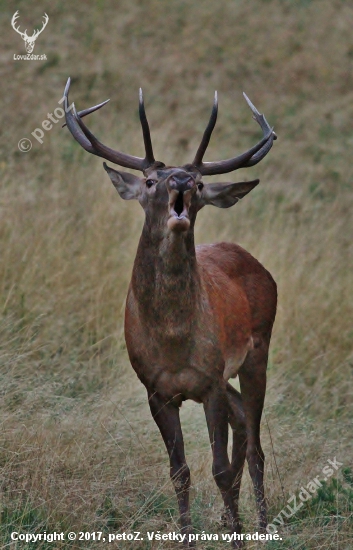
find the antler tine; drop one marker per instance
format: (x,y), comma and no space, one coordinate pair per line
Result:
(250,157)
(265,127)
(145,130)
(90,110)
(91,144)
(260,119)
(207,134)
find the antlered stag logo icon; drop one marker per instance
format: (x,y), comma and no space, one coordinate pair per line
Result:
(29,40)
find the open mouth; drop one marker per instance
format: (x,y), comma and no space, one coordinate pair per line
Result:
(179,206)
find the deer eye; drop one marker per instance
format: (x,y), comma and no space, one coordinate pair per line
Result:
(200,186)
(150,182)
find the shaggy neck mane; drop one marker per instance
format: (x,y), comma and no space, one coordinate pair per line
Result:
(165,278)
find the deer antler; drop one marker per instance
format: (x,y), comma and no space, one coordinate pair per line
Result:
(249,158)
(13,21)
(45,22)
(91,144)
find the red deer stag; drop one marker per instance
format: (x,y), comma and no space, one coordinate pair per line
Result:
(195,316)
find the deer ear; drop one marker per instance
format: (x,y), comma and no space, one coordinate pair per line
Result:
(127,185)
(224,195)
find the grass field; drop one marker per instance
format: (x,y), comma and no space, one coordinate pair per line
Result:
(78,449)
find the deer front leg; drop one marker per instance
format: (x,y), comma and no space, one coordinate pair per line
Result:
(166,416)
(216,408)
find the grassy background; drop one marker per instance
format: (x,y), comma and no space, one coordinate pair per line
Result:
(78,449)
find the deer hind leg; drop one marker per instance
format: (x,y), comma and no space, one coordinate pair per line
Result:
(166,416)
(236,420)
(217,415)
(252,377)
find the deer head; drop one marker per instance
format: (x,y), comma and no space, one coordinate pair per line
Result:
(172,196)
(29,40)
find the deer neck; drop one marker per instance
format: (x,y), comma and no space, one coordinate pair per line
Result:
(165,279)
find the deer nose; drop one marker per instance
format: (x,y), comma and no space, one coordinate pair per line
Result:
(181,182)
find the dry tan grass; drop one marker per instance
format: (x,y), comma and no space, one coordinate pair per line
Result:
(78,449)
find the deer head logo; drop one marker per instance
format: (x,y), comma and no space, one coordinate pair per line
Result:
(29,40)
